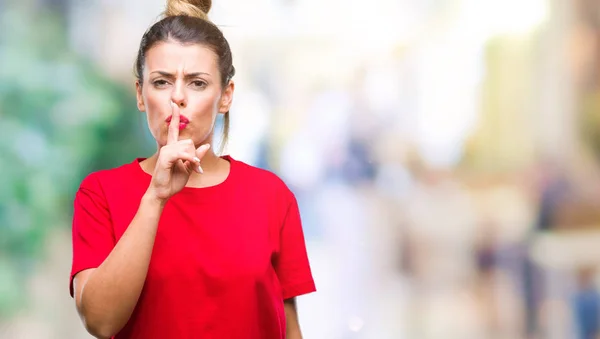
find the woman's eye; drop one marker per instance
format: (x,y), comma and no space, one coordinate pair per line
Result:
(160,83)
(199,83)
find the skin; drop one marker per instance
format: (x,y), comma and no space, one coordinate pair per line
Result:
(178,80)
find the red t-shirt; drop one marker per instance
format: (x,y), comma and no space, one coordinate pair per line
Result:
(224,259)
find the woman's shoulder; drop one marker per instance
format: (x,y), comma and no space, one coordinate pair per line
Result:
(111,176)
(257,176)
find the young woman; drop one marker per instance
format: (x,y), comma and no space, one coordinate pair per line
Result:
(185,243)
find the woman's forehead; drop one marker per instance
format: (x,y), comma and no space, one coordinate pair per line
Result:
(173,57)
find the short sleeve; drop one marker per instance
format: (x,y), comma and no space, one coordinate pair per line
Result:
(93,236)
(292,265)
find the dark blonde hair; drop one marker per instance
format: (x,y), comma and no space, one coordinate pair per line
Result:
(186,22)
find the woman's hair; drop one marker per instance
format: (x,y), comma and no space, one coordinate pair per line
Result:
(186,22)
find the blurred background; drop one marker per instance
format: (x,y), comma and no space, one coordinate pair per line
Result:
(445,155)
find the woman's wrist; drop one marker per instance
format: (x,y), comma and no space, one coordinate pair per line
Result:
(151,198)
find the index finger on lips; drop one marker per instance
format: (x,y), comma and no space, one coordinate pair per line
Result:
(173,132)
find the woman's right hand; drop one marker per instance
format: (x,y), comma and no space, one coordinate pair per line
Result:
(176,162)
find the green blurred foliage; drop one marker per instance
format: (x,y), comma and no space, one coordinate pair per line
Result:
(589,122)
(60,118)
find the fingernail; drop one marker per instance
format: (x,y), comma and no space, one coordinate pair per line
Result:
(196,160)
(200,170)
(205,146)
(173,105)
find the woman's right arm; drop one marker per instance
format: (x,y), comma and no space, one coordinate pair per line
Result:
(107,295)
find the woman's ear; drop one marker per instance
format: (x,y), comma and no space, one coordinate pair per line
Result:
(140,99)
(226,98)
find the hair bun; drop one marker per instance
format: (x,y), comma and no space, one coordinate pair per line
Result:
(194,8)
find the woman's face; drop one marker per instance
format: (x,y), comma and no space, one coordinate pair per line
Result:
(187,75)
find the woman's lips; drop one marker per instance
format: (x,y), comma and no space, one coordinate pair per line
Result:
(183,121)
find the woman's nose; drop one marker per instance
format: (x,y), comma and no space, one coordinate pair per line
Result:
(178,96)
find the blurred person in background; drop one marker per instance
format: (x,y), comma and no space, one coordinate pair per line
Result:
(166,247)
(586,305)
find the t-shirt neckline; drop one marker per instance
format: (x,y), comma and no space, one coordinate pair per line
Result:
(204,191)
